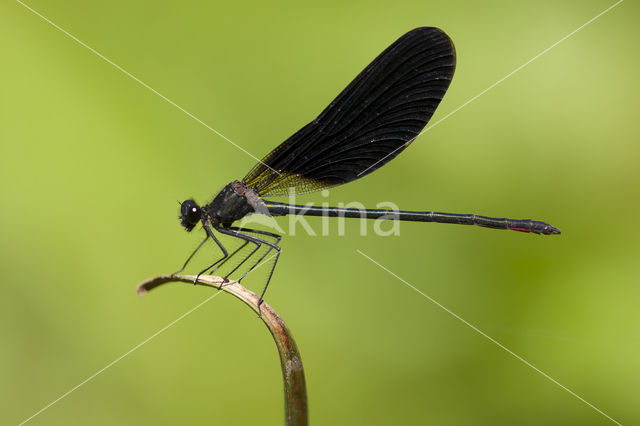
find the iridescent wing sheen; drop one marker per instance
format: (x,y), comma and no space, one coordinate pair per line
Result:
(370,122)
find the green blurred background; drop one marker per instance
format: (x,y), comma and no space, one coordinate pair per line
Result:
(92,164)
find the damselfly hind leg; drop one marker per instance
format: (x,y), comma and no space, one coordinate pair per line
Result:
(242,234)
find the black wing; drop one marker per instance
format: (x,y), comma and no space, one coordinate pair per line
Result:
(370,122)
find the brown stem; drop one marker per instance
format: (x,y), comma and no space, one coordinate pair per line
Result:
(295,394)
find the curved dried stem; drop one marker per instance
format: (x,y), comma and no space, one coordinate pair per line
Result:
(295,394)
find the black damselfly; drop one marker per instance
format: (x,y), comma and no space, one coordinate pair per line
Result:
(370,122)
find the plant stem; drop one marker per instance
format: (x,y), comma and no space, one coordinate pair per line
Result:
(295,394)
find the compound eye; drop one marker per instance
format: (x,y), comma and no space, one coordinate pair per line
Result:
(189,214)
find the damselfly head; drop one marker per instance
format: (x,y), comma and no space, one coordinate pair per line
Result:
(189,214)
